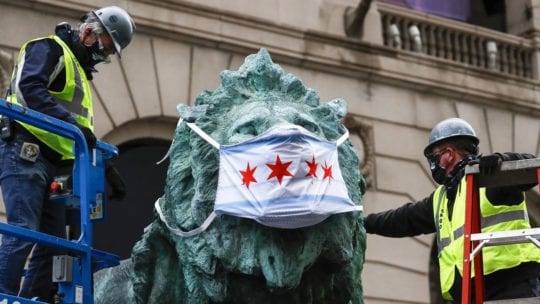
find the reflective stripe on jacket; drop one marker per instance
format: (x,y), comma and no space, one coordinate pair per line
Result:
(494,218)
(75,96)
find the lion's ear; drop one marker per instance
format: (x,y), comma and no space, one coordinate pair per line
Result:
(337,106)
(191,114)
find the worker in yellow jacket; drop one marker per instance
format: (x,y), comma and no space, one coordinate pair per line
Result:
(51,76)
(511,271)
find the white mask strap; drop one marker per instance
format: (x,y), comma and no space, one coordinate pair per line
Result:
(170,147)
(342,138)
(216,145)
(197,130)
(179,232)
(203,134)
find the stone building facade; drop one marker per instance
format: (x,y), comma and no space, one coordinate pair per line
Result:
(397,89)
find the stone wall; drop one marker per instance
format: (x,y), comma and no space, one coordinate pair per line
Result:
(394,96)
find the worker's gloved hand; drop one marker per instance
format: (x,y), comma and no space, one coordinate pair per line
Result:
(116,183)
(88,136)
(489,164)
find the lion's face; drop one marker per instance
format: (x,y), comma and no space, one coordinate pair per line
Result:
(243,246)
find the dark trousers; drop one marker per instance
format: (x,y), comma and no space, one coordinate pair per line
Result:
(25,191)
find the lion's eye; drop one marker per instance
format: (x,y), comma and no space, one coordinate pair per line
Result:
(246,129)
(311,127)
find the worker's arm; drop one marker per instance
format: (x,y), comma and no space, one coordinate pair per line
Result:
(512,195)
(36,71)
(408,220)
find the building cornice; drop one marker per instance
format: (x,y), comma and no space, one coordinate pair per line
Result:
(234,32)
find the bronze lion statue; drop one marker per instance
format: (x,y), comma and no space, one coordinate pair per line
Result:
(236,259)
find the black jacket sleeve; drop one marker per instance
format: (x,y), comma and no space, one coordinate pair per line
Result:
(511,195)
(40,59)
(410,219)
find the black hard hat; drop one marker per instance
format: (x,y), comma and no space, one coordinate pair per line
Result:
(450,128)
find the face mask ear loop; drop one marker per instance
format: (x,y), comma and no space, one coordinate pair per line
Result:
(170,147)
(197,130)
(203,134)
(179,232)
(342,138)
(100,43)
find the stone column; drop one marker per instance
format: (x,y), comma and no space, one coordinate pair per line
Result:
(364,22)
(523,19)
(518,16)
(373,25)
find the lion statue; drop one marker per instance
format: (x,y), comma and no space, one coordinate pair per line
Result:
(236,259)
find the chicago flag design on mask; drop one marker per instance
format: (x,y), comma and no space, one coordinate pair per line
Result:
(286,177)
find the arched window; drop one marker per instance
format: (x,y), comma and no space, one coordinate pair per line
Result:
(125,220)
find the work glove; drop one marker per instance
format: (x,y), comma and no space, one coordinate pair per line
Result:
(489,164)
(88,136)
(116,183)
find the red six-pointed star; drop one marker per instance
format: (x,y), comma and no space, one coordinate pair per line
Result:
(312,167)
(327,171)
(247,176)
(279,169)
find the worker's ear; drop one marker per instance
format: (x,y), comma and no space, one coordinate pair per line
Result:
(87,38)
(452,154)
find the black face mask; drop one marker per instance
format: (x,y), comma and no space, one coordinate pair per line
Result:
(81,52)
(96,53)
(437,171)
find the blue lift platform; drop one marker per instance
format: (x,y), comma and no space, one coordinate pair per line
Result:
(73,271)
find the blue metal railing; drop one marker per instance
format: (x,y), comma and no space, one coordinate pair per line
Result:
(88,181)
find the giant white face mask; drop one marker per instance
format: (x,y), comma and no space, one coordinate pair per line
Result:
(286,177)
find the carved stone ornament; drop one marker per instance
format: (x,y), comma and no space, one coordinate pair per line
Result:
(361,134)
